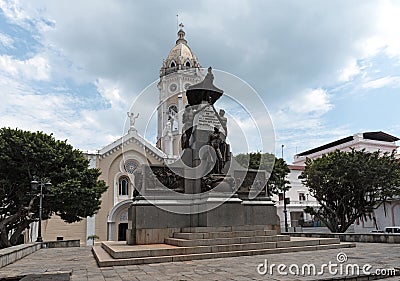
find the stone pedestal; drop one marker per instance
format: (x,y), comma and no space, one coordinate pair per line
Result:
(150,224)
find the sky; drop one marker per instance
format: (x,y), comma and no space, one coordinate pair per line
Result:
(324,69)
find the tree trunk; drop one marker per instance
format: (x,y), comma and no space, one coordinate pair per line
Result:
(8,224)
(17,232)
(4,242)
(331,225)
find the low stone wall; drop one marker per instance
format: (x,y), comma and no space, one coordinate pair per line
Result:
(61,244)
(352,237)
(14,253)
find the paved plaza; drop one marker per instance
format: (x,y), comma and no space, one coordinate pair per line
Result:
(82,266)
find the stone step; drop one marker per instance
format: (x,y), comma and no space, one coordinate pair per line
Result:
(168,250)
(222,234)
(104,259)
(225,228)
(225,241)
(151,250)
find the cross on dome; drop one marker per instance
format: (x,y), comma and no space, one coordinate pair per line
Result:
(181,35)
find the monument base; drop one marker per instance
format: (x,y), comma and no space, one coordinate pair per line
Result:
(150,222)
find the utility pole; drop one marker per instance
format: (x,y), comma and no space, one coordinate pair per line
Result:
(35,185)
(284,200)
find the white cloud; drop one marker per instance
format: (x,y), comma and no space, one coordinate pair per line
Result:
(305,138)
(245,134)
(372,46)
(388,23)
(383,35)
(110,91)
(389,81)
(58,113)
(35,68)
(310,101)
(13,10)
(300,123)
(6,41)
(351,70)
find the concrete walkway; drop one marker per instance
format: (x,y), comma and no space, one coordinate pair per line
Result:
(82,266)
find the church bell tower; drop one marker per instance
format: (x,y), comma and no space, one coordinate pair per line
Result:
(180,70)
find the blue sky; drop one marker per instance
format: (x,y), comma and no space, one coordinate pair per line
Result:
(324,69)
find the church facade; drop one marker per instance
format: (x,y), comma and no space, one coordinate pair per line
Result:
(118,160)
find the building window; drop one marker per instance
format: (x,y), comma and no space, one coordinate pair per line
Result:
(280,195)
(131,165)
(172,110)
(123,186)
(302,197)
(188,64)
(172,64)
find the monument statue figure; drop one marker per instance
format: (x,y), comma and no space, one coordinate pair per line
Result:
(187,120)
(223,121)
(216,142)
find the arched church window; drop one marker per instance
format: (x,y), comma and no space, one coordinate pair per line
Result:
(172,116)
(188,64)
(172,64)
(172,110)
(123,186)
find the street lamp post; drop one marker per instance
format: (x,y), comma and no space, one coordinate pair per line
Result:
(284,201)
(35,185)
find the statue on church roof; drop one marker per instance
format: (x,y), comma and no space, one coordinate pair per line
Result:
(132,120)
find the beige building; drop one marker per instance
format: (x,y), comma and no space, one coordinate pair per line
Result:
(118,160)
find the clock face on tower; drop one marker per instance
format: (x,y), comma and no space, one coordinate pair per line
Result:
(173,87)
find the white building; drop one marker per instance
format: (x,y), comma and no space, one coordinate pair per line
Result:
(299,198)
(385,215)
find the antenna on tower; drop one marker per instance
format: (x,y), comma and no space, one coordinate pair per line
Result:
(177,22)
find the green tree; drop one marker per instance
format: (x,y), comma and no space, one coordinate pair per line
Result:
(75,192)
(277,182)
(349,185)
(92,237)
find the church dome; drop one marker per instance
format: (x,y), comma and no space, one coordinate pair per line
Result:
(180,56)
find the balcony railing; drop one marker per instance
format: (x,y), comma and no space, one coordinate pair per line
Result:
(299,203)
